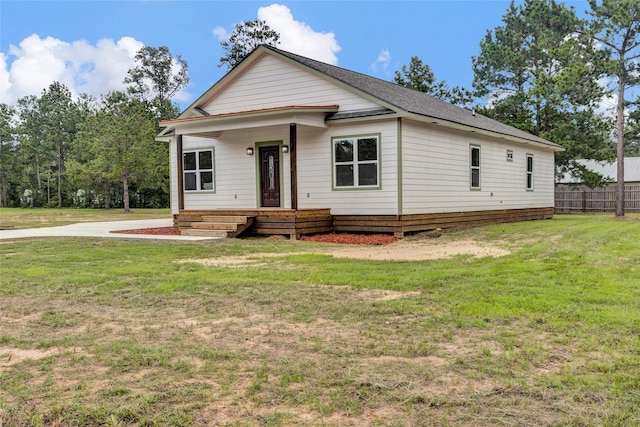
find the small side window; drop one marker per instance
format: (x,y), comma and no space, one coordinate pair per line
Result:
(474,166)
(530,172)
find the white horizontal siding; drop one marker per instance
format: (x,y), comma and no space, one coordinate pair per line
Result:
(235,171)
(273,82)
(236,180)
(315,171)
(436,172)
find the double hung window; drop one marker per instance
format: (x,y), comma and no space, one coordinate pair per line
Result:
(356,161)
(198,170)
(474,167)
(529,172)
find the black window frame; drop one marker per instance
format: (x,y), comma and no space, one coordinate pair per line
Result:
(357,168)
(475,167)
(194,175)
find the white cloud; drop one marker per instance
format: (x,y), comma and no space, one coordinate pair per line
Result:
(298,37)
(221,34)
(295,36)
(32,66)
(381,64)
(4,77)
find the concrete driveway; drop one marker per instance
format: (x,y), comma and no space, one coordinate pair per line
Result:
(99,229)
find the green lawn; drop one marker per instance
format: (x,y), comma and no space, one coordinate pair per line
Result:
(41,217)
(126,332)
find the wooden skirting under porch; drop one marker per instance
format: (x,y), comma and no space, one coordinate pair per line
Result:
(400,225)
(294,223)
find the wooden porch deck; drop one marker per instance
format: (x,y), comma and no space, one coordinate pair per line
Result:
(288,222)
(295,223)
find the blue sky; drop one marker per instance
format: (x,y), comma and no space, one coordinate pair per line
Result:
(89,45)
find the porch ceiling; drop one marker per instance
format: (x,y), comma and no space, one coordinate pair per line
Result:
(214,125)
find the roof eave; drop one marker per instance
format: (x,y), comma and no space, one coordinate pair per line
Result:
(215,124)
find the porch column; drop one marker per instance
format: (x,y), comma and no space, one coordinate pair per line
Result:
(180,174)
(293,160)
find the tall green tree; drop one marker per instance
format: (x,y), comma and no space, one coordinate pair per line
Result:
(60,118)
(36,154)
(8,153)
(419,76)
(616,25)
(87,176)
(245,37)
(48,128)
(632,133)
(538,75)
(120,138)
(157,78)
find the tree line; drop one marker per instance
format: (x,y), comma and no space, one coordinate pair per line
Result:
(544,70)
(59,152)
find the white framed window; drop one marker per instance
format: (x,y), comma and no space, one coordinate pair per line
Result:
(197,167)
(474,167)
(529,172)
(509,155)
(356,162)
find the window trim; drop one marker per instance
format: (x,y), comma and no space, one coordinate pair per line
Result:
(355,162)
(530,172)
(472,167)
(198,170)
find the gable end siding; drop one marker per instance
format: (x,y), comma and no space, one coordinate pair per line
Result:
(273,82)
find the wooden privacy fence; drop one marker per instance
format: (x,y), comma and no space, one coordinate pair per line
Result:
(603,199)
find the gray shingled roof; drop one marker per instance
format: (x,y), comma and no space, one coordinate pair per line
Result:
(409,100)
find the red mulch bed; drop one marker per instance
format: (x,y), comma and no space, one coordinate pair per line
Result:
(352,239)
(164,231)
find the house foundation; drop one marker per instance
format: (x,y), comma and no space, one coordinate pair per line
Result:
(295,223)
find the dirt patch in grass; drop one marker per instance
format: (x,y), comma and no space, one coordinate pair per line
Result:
(409,250)
(11,356)
(420,250)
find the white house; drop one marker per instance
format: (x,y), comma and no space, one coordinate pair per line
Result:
(284,144)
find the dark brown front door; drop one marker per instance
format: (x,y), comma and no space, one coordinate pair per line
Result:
(270,176)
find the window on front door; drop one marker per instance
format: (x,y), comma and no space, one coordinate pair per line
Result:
(270,176)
